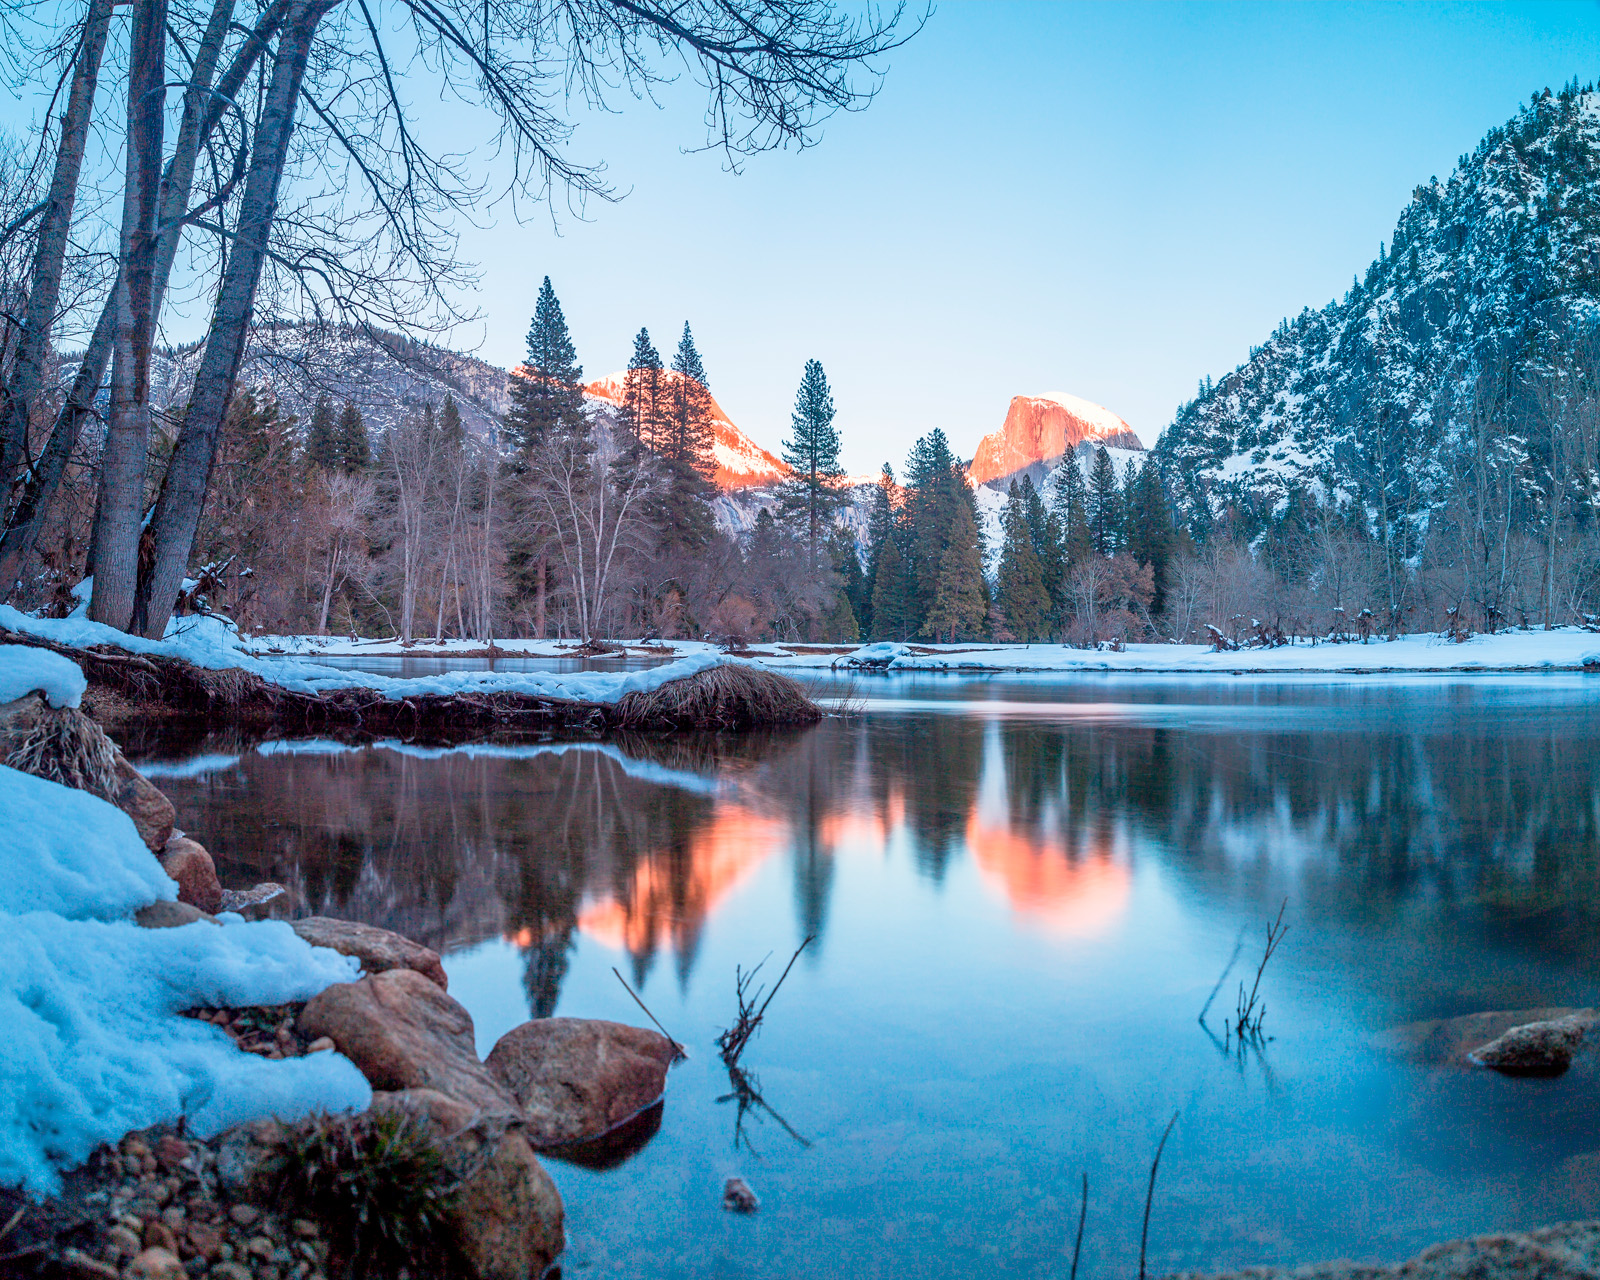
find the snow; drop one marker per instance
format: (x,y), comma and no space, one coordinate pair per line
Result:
(1098,416)
(214,644)
(88,1000)
(24,669)
(1567,649)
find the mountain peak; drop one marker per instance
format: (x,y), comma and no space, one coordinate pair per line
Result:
(1043,428)
(741,462)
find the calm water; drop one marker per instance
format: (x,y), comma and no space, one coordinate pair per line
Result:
(1022,892)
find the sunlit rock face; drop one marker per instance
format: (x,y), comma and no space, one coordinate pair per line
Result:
(1042,429)
(741,462)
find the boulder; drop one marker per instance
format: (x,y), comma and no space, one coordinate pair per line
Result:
(1536,1048)
(187,862)
(1567,1252)
(507,1219)
(268,900)
(169,915)
(576,1079)
(404,1033)
(377,949)
(141,800)
(1451,1041)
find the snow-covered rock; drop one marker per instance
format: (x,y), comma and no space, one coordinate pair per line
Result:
(1043,429)
(25,669)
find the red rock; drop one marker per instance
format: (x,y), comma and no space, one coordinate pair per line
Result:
(405,1033)
(507,1219)
(379,950)
(158,1235)
(1042,429)
(577,1079)
(141,800)
(187,862)
(171,1151)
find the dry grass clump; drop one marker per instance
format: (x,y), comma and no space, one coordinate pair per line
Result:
(62,745)
(732,695)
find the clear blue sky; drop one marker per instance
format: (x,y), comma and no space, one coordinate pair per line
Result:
(1113,200)
(1109,199)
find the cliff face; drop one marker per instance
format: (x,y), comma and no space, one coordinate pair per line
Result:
(1042,429)
(741,462)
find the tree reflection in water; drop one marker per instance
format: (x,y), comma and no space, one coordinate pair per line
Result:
(637,842)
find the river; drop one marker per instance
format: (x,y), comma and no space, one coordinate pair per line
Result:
(1022,892)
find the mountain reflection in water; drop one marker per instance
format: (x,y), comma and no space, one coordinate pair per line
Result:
(1023,891)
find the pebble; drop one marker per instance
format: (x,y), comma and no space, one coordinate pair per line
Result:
(124,1241)
(81,1264)
(229,1271)
(737,1196)
(306,1228)
(158,1235)
(260,1247)
(244,1215)
(320,1045)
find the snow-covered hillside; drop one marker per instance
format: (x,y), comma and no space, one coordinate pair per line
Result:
(1491,262)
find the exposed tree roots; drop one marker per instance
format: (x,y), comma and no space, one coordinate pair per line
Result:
(128,685)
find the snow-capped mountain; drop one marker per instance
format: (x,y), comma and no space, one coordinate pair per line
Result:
(1493,264)
(1040,429)
(741,462)
(385,374)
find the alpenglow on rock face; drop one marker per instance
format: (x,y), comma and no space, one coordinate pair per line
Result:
(1492,265)
(1042,429)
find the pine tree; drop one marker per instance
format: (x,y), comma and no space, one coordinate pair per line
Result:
(1021,591)
(684,445)
(354,448)
(643,402)
(847,567)
(880,524)
(455,435)
(1152,537)
(960,601)
(893,615)
(322,444)
(1072,510)
(813,491)
(937,490)
(546,392)
(1045,532)
(1105,503)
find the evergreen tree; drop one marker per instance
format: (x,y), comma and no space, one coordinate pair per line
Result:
(322,444)
(354,448)
(1045,531)
(852,581)
(683,442)
(455,435)
(1152,537)
(937,491)
(812,493)
(546,392)
(1072,511)
(688,433)
(960,601)
(644,407)
(880,524)
(1021,592)
(1105,503)
(894,615)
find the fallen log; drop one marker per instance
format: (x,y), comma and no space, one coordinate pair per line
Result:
(125,686)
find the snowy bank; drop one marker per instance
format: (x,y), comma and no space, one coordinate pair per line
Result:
(213,645)
(1568,649)
(93,1046)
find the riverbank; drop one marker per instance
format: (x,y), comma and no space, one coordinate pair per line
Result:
(1564,649)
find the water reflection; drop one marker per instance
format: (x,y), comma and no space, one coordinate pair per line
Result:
(1023,891)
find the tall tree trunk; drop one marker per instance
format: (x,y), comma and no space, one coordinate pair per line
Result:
(539,576)
(118,522)
(183,489)
(50,252)
(32,510)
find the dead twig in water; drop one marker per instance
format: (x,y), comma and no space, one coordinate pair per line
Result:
(681,1051)
(1083,1214)
(747,1093)
(732,1042)
(1238,946)
(1150,1194)
(1248,1017)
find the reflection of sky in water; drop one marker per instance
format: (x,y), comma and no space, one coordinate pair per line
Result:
(1023,891)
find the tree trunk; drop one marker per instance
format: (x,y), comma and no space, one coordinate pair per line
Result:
(50,252)
(539,597)
(118,522)
(183,490)
(31,512)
